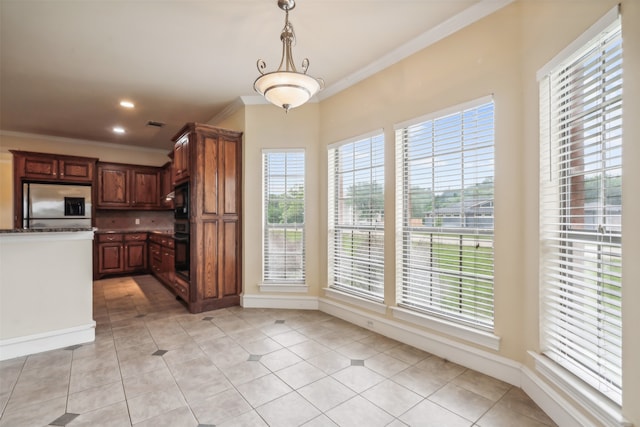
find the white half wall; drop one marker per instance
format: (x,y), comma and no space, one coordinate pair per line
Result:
(46,291)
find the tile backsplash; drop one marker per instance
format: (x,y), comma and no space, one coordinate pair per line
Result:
(127,220)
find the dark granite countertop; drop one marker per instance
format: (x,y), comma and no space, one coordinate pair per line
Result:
(128,230)
(45,230)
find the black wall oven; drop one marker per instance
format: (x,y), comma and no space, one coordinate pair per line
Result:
(181,201)
(182,249)
(181,232)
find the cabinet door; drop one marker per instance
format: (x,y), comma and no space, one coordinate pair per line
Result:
(181,159)
(166,186)
(110,258)
(145,188)
(135,256)
(168,267)
(229,249)
(229,172)
(155,258)
(76,170)
(40,167)
(113,189)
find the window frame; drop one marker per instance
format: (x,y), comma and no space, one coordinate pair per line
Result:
(283,283)
(374,230)
(565,167)
(430,312)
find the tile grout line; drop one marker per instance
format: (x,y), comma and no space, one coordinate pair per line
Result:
(118,359)
(24,362)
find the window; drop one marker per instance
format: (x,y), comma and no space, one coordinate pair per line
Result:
(444,206)
(581,211)
(283,212)
(356,217)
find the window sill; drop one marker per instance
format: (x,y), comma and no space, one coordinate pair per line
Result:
(284,287)
(485,339)
(370,305)
(599,406)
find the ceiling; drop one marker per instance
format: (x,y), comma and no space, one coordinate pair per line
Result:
(65,64)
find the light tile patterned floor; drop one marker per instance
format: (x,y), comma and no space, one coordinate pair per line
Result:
(154,364)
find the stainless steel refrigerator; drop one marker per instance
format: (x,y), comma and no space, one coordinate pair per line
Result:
(56,206)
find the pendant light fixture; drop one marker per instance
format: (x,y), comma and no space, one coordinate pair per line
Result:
(286,87)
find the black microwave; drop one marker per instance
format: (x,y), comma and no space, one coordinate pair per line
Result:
(181,201)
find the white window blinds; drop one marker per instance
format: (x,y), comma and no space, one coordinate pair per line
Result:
(283,213)
(581,210)
(356,217)
(444,260)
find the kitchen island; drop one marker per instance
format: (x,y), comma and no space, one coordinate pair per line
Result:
(46,290)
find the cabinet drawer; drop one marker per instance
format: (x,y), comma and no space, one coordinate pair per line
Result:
(163,240)
(110,237)
(155,238)
(137,237)
(181,289)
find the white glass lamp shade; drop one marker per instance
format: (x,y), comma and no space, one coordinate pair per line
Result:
(287,89)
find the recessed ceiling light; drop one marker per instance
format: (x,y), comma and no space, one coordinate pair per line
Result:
(118,129)
(126,104)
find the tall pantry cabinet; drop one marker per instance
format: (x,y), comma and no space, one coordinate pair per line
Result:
(209,159)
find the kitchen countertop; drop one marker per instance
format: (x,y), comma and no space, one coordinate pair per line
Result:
(45,230)
(112,231)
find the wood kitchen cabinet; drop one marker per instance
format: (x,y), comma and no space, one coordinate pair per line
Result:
(162,255)
(155,258)
(145,188)
(119,253)
(50,168)
(113,186)
(135,252)
(181,159)
(214,174)
(166,185)
(53,167)
(123,186)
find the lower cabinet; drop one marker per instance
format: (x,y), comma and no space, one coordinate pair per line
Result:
(110,258)
(135,252)
(162,254)
(124,253)
(119,253)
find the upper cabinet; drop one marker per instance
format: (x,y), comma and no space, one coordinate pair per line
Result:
(53,167)
(181,159)
(145,187)
(166,185)
(49,168)
(113,186)
(122,186)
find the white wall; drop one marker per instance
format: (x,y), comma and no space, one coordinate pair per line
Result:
(480,60)
(270,127)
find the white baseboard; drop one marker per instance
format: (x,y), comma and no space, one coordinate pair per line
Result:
(551,402)
(471,357)
(37,343)
(279,301)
